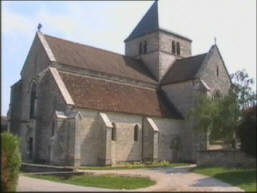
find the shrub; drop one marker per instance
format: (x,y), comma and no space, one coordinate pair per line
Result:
(11,161)
(161,163)
(247,132)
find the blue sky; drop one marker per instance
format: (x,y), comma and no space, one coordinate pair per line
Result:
(106,25)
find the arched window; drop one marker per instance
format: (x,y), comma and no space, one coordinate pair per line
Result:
(32,100)
(217,71)
(140,49)
(113,132)
(145,47)
(136,133)
(173,47)
(178,48)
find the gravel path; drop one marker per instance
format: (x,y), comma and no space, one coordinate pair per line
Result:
(167,179)
(27,184)
(174,179)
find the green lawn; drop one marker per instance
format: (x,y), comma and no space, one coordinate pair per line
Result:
(135,166)
(243,178)
(105,181)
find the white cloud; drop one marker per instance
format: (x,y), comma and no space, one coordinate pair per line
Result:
(107,24)
(15,23)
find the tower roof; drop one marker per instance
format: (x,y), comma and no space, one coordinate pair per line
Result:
(150,23)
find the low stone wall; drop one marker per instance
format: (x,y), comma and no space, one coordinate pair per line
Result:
(31,168)
(226,158)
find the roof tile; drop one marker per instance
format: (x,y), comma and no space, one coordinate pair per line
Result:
(98,60)
(113,97)
(184,69)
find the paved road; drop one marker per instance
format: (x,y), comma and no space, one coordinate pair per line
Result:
(28,184)
(167,179)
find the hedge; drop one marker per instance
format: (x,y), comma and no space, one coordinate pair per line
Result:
(10,163)
(247,132)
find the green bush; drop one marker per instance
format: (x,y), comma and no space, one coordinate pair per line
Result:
(10,163)
(247,132)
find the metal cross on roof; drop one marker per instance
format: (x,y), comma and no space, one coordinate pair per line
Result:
(39,27)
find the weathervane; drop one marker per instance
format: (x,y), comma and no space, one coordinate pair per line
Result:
(39,27)
(215,40)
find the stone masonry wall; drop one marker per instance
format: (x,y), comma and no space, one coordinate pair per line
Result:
(62,142)
(166,41)
(166,61)
(159,57)
(225,158)
(124,148)
(169,130)
(209,74)
(91,138)
(92,133)
(15,107)
(132,47)
(151,58)
(36,61)
(181,95)
(49,100)
(148,142)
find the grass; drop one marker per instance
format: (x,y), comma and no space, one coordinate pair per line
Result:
(135,165)
(241,177)
(105,181)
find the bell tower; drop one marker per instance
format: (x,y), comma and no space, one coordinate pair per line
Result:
(158,48)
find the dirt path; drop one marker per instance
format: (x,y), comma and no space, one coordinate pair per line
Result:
(167,179)
(174,179)
(27,184)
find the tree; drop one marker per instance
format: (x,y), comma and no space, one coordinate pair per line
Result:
(247,131)
(242,88)
(10,162)
(217,115)
(222,115)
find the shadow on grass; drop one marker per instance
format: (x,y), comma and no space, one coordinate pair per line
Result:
(237,178)
(210,182)
(240,177)
(172,170)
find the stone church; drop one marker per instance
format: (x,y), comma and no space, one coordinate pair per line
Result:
(80,105)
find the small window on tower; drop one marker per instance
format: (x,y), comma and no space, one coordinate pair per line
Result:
(145,47)
(136,133)
(178,48)
(140,48)
(217,71)
(113,132)
(173,47)
(32,101)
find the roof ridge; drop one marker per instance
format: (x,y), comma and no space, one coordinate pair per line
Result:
(190,57)
(106,80)
(101,49)
(174,33)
